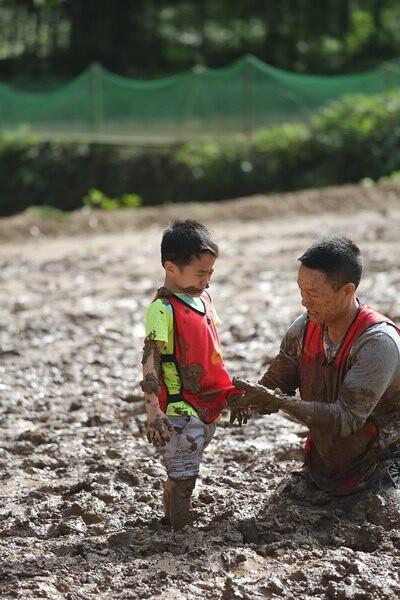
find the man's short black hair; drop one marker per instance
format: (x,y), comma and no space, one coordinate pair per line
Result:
(184,240)
(338,257)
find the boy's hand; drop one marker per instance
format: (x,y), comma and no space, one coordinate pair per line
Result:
(241,415)
(159,429)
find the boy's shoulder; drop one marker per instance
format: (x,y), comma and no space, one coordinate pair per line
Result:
(160,304)
(161,298)
(163,295)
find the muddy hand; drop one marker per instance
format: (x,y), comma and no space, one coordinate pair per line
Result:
(159,431)
(241,415)
(255,395)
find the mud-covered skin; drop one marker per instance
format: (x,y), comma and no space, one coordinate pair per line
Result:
(179,494)
(150,347)
(312,414)
(151,381)
(159,430)
(150,384)
(255,396)
(240,414)
(192,291)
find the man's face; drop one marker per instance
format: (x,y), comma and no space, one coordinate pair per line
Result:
(324,304)
(195,277)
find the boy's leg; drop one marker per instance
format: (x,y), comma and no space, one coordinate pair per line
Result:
(180,506)
(182,456)
(166,500)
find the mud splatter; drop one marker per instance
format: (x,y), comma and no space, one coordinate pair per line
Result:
(192,291)
(163,293)
(150,384)
(159,431)
(191,376)
(193,443)
(150,348)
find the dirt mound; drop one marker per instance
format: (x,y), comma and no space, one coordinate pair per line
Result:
(345,199)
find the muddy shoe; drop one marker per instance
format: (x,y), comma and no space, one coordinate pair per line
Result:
(180,510)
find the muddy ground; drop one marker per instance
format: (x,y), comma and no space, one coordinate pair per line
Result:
(81,488)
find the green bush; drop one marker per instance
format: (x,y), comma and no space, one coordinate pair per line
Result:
(46,212)
(349,140)
(97,199)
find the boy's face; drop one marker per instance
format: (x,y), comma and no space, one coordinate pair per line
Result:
(193,278)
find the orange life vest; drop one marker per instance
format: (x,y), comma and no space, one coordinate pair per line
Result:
(336,464)
(205,383)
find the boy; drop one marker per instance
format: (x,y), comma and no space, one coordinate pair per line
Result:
(185,382)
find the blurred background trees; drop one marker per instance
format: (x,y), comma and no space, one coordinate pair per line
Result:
(48,41)
(45,43)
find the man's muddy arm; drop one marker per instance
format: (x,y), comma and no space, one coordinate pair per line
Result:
(315,414)
(311,414)
(159,429)
(375,364)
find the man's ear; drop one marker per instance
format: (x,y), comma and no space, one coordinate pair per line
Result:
(349,289)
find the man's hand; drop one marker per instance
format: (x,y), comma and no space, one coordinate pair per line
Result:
(159,429)
(255,396)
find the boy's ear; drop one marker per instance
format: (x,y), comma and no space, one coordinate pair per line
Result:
(169,267)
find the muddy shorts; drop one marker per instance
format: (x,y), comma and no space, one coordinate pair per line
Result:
(182,455)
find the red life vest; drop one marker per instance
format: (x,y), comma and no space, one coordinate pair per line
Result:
(205,383)
(336,464)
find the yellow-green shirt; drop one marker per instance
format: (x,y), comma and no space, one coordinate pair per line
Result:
(160,326)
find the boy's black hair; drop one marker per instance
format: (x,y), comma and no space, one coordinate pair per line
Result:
(338,257)
(184,240)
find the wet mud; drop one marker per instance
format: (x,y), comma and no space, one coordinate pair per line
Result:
(150,384)
(82,490)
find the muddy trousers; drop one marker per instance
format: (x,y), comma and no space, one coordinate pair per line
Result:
(182,456)
(177,504)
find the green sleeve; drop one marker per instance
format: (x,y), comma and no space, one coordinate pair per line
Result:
(157,321)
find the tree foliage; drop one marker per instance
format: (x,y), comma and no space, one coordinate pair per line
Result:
(53,39)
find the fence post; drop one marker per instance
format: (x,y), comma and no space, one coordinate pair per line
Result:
(248,99)
(387,68)
(97,97)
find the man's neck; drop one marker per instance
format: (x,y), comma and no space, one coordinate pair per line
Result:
(337,329)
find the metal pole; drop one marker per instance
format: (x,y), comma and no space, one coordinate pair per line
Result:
(97,98)
(248,99)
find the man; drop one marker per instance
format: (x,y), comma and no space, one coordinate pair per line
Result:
(344,358)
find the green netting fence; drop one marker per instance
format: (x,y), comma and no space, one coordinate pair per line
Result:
(227,102)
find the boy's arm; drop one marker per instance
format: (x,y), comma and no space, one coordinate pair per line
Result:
(159,428)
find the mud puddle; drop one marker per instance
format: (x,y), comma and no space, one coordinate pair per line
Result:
(80,487)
